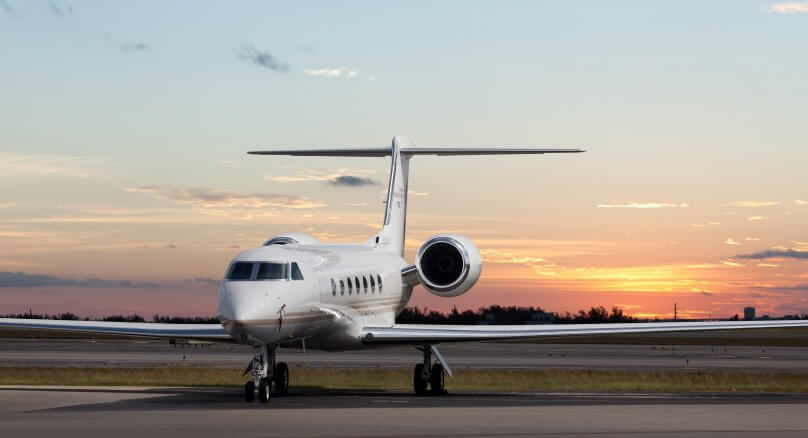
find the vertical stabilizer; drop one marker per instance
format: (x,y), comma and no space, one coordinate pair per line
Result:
(395,214)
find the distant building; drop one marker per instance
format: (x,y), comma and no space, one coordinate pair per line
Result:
(490,318)
(748,313)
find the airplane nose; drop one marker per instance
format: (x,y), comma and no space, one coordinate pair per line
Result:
(238,304)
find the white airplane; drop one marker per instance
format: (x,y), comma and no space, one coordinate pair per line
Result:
(295,291)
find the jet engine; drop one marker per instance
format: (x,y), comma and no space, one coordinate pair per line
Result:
(291,239)
(448,265)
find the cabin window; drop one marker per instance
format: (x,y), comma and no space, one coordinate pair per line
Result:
(296,274)
(272,271)
(333,288)
(350,286)
(372,285)
(341,287)
(240,271)
(365,283)
(379,279)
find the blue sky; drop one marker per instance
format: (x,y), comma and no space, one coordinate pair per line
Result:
(110,112)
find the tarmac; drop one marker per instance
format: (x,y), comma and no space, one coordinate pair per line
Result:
(178,412)
(191,412)
(113,352)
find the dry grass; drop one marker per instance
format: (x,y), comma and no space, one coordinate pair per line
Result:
(385,378)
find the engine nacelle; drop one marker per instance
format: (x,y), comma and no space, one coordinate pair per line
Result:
(448,265)
(291,239)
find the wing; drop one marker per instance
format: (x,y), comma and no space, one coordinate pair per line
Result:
(206,332)
(420,334)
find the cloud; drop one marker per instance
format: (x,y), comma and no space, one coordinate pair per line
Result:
(775,253)
(4,6)
(541,266)
(60,11)
(134,47)
(730,241)
(339,177)
(211,198)
(751,239)
(797,287)
(352,181)
(21,279)
(12,164)
(800,202)
(768,265)
(262,59)
(707,225)
(730,263)
(752,203)
(789,7)
(633,204)
(755,218)
(205,280)
(346,73)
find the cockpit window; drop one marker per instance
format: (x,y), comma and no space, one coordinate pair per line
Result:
(240,271)
(272,271)
(296,274)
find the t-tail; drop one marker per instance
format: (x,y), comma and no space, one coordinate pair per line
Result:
(401,150)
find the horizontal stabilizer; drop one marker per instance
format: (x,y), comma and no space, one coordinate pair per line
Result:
(485,151)
(381,152)
(342,152)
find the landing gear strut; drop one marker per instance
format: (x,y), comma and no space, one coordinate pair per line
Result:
(264,372)
(428,374)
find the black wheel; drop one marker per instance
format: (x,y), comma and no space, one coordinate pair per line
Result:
(281,378)
(418,381)
(249,391)
(436,379)
(263,391)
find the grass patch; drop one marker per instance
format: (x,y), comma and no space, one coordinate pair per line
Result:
(400,378)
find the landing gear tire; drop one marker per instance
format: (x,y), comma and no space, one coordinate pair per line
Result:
(418,381)
(249,391)
(436,380)
(264,391)
(281,378)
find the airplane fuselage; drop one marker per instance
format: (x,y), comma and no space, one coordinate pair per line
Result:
(319,294)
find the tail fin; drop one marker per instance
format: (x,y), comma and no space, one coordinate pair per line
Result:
(395,213)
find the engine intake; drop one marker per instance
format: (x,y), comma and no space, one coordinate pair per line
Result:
(448,265)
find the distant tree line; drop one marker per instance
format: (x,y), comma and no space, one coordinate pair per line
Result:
(511,315)
(68,316)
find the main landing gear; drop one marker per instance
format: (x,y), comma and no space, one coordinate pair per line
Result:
(265,373)
(429,374)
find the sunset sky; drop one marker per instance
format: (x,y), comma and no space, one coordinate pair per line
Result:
(125,185)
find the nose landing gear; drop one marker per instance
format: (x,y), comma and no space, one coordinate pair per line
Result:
(429,374)
(264,372)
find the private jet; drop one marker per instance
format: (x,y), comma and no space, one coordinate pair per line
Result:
(294,291)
